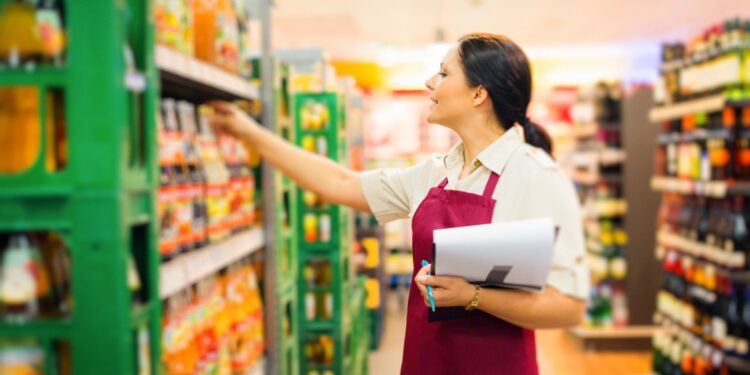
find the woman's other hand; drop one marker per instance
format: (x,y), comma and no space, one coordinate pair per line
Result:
(447,290)
(227,118)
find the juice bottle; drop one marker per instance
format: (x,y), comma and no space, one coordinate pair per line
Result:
(204,23)
(20,39)
(216,33)
(57,261)
(19,128)
(226,43)
(24,285)
(50,24)
(25,357)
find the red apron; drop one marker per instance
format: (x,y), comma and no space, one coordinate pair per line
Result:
(480,344)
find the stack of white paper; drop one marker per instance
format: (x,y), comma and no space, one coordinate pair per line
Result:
(515,254)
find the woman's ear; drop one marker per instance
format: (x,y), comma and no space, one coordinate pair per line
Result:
(480,96)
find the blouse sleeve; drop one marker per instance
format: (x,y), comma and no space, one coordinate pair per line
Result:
(552,195)
(391,192)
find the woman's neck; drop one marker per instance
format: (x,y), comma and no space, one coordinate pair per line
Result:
(476,137)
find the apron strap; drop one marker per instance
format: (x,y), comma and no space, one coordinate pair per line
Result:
(490,187)
(443,184)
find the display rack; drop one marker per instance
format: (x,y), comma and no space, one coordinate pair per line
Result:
(101,201)
(331,302)
(633,162)
(701,171)
(286,218)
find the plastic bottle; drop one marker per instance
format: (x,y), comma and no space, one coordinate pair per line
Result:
(20,128)
(24,284)
(49,19)
(20,40)
(21,358)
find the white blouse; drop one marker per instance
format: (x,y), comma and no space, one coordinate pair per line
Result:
(531,186)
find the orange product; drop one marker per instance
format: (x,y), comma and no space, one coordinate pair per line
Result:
(20,40)
(216,33)
(174,24)
(20,132)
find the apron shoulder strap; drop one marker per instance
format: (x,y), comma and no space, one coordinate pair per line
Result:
(491,184)
(443,183)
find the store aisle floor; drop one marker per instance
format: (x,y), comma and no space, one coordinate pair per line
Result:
(557,352)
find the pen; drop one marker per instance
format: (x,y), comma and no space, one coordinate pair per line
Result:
(429,288)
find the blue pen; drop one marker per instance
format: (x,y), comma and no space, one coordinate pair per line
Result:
(429,288)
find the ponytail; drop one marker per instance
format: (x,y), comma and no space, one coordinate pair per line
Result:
(536,135)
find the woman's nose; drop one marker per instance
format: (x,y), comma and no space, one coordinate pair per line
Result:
(428,83)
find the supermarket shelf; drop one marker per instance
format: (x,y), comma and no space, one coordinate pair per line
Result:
(737,364)
(187,269)
(614,338)
(196,77)
(584,178)
(47,328)
(614,332)
(713,189)
(258,369)
(677,111)
(734,363)
(50,76)
(697,135)
(701,250)
(585,131)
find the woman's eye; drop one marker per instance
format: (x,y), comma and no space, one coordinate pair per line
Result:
(441,74)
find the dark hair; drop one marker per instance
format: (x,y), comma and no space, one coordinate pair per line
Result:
(500,66)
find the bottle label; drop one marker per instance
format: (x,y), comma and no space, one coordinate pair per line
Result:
(742,347)
(19,277)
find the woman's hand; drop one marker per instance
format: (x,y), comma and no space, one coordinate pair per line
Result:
(447,290)
(227,118)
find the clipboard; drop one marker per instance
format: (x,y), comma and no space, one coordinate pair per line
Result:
(499,274)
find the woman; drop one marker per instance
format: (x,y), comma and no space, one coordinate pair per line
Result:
(482,92)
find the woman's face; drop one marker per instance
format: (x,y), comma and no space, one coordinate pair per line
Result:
(451,96)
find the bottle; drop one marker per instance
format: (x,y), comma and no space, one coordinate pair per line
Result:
(733,320)
(49,17)
(24,284)
(21,357)
(56,257)
(134,281)
(739,243)
(20,40)
(20,128)
(742,346)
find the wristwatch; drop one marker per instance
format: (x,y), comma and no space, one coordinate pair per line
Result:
(474,301)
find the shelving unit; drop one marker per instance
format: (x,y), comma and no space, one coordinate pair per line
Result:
(286,218)
(636,160)
(332,320)
(101,206)
(180,72)
(187,269)
(701,245)
(102,202)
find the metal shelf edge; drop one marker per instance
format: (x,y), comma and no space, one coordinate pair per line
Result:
(672,112)
(614,333)
(194,70)
(189,268)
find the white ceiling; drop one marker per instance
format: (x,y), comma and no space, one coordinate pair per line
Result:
(349,28)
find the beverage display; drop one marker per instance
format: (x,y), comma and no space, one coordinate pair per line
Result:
(34,276)
(596,164)
(216,327)
(207,185)
(703,236)
(32,33)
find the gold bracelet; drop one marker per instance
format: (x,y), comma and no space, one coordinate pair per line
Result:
(474,301)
